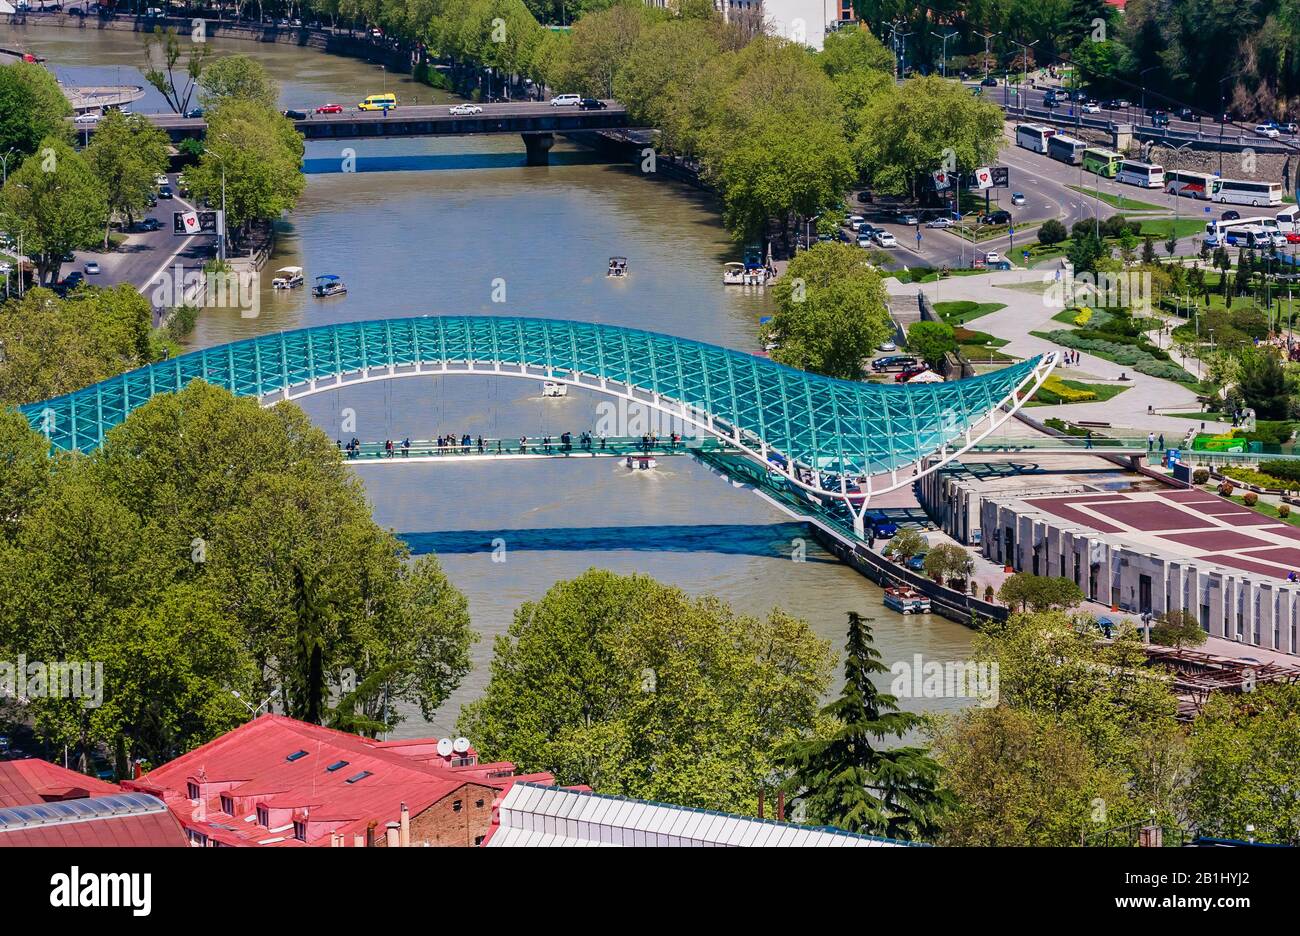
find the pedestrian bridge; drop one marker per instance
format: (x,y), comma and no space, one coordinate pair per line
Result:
(821,434)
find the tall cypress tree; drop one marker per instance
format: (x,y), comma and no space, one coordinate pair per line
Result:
(845,780)
(307,686)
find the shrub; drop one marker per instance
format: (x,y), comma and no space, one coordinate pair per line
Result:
(1200,475)
(988,594)
(1051,232)
(1284,510)
(1250,498)
(1226,488)
(1084,317)
(1281,468)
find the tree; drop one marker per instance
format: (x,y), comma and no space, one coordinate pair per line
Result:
(1085,250)
(25,455)
(127,154)
(32,108)
(174,79)
(830,312)
(634,688)
(1039,592)
(948,562)
(1178,629)
(239,78)
(844,779)
(1264,384)
(931,341)
(1051,232)
(56,202)
(905,545)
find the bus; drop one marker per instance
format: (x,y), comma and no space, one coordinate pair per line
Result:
(1240,192)
(1189,184)
(1266,223)
(1253,237)
(1034,136)
(1143,175)
(1066,148)
(1102,162)
(1288,220)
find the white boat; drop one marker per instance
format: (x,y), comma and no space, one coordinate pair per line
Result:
(617,267)
(733,274)
(551,388)
(287,277)
(641,462)
(906,600)
(328,285)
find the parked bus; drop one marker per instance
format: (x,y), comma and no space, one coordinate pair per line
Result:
(1066,148)
(1288,220)
(1189,184)
(1143,175)
(1239,192)
(1102,162)
(1253,237)
(1266,223)
(1034,137)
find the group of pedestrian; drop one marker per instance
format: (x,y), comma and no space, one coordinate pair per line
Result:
(1152,445)
(1069,357)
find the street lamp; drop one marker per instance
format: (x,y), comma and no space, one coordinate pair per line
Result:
(1142,81)
(256,711)
(4,165)
(988,39)
(1024,50)
(1223,122)
(943,56)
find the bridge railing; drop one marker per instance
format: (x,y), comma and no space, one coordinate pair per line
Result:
(536,446)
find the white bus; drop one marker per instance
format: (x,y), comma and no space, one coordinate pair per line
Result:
(1266,223)
(1143,175)
(1189,184)
(1066,148)
(1288,220)
(1034,136)
(1253,237)
(1239,192)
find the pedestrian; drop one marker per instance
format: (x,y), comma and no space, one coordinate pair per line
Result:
(1162,442)
(1151,441)
(871,538)
(406,447)
(1087,439)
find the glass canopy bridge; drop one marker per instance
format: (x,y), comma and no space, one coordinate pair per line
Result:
(821,435)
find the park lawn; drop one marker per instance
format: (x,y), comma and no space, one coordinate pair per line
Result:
(1120,202)
(1159,228)
(1268,510)
(961,311)
(1104,392)
(1066,317)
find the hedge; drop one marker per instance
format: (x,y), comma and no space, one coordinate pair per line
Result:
(1281,468)
(1054,390)
(1125,354)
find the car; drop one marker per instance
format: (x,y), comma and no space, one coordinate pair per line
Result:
(1266,130)
(870,230)
(893,362)
(989,82)
(1187,113)
(1017,198)
(566,100)
(911,372)
(853,221)
(886,346)
(939,223)
(194,113)
(165,192)
(881,526)
(906,217)
(1293,237)
(1290,128)
(72,279)
(379,102)
(464,110)
(885,239)
(1160,119)
(330,109)
(1079,96)
(591,103)
(1001,216)
(1230,215)
(1050,102)
(86,118)
(993,257)
(917,562)
(151,224)
(294,114)
(161,179)
(1091,108)
(91,268)
(865,240)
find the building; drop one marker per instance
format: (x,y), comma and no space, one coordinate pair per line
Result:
(279,782)
(533,815)
(43,805)
(802,21)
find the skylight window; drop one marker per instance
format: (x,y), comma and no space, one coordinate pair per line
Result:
(337,765)
(296,755)
(356,778)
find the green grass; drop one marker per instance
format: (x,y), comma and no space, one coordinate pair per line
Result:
(927,275)
(1159,228)
(961,311)
(1268,510)
(1120,202)
(1066,317)
(1103,391)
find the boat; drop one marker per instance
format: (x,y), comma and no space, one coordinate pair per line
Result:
(905,600)
(287,277)
(327,284)
(641,462)
(551,388)
(617,266)
(733,274)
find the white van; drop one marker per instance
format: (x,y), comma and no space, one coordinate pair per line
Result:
(565,100)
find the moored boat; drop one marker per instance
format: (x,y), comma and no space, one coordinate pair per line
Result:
(641,462)
(906,600)
(327,284)
(287,277)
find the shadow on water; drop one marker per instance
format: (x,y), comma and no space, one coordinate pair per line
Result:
(317,165)
(739,539)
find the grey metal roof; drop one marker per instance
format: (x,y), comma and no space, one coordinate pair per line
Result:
(114,805)
(532,815)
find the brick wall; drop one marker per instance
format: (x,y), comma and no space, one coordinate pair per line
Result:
(445,825)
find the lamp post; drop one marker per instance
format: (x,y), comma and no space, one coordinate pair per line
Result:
(256,711)
(943,55)
(988,39)
(1024,51)
(1223,118)
(1142,81)
(4,166)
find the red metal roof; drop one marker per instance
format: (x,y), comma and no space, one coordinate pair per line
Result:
(151,830)
(250,765)
(31,780)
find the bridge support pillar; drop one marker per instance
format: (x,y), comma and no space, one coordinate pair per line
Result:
(538,146)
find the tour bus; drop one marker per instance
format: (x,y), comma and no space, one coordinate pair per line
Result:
(383,102)
(1143,175)
(1189,184)
(1239,192)
(1253,237)
(1221,229)
(1066,148)
(1288,220)
(1102,162)
(1034,137)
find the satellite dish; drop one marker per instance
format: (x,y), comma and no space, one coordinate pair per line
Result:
(460,745)
(444,747)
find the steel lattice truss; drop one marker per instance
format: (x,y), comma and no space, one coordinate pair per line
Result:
(751,401)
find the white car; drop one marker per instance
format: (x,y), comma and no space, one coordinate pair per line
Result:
(887,346)
(939,223)
(161,179)
(86,118)
(92,268)
(1265,130)
(565,100)
(464,110)
(993,257)
(854,221)
(885,239)
(1091,108)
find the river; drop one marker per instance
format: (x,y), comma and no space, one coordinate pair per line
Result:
(434,242)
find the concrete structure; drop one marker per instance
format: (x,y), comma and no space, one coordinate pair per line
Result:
(532,816)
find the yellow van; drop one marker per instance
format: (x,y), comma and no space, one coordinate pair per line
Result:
(382,102)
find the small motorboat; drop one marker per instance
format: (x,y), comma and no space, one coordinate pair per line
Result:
(617,267)
(733,274)
(328,284)
(906,600)
(287,278)
(551,388)
(641,462)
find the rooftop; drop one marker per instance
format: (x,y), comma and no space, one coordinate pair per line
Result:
(31,781)
(118,820)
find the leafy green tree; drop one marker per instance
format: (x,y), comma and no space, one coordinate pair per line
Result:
(905,545)
(1264,384)
(1039,592)
(239,78)
(844,778)
(1178,629)
(25,456)
(1051,232)
(949,562)
(56,202)
(127,154)
(174,67)
(663,76)
(830,312)
(931,341)
(633,688)
(1085,251)
(32,108)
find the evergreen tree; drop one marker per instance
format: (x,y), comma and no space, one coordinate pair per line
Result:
(844,780)
(307,682)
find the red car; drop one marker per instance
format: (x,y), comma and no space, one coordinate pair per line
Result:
(330,109)
(1292,237)
(907,375)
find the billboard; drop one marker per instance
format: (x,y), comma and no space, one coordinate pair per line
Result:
(185,223)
